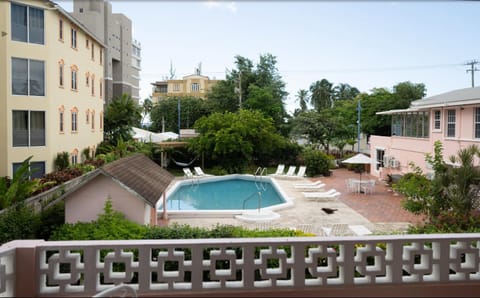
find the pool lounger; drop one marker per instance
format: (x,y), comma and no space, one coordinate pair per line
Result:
(308,183)
(331,194)
(319,186)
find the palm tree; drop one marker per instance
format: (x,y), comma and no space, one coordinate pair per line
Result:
(321,94)
(463,190)
(344,91)
(302,97)
(147,107)
(120,116)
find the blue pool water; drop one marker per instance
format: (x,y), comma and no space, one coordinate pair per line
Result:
(223,195)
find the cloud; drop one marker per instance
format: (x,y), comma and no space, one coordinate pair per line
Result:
(217,4)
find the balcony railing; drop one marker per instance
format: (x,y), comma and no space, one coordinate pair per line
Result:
(441,262)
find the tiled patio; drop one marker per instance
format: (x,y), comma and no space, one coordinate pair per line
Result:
(382,205)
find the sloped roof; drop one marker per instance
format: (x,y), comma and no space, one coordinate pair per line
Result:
(459,97)
(451,98)
(141,175)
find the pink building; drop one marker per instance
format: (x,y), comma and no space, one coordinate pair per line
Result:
(452,118)
(134,184)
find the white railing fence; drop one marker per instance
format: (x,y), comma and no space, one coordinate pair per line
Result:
(169,267)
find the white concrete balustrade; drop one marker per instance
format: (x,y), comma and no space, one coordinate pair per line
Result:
(239,266)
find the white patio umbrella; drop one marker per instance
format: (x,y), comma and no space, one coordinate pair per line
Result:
(360,159)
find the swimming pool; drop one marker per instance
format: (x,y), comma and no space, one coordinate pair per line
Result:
(229,194)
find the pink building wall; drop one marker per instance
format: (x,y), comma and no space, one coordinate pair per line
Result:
(409,149)
(85,204)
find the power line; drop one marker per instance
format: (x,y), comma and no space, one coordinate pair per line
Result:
(368,69)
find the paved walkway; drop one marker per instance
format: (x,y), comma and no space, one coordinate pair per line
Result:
(380,212)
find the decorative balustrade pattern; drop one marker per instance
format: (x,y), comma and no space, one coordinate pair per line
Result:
(7,271)
(175,266)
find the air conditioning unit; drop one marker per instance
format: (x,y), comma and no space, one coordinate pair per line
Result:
(394,163)
(386,161)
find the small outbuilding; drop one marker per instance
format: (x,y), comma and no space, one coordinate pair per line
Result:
(134,185)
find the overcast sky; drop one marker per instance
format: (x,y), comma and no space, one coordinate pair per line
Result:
(365,44)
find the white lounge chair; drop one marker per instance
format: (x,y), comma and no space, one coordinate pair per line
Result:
(301,172)
(188,173)
(337,230)
(331,194)
(308,183)
(360,230)
(318,186)
(291,171)
(279,171)
(199,172)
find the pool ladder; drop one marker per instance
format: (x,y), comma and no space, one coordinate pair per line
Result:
(260,184)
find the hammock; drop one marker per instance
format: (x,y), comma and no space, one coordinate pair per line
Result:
(182,164)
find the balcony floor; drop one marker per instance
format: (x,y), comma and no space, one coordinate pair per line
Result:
(379,212)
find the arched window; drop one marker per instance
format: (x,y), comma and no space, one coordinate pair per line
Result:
(61,65)
(74,112)
(74,71)
(74,156)
(61,118)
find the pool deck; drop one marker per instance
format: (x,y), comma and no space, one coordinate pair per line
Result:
(379,212)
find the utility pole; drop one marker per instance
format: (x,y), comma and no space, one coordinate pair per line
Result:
(472,69)
(359,109)
(240,90)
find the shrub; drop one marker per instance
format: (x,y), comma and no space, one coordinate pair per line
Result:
(18,222)
(447,222)
(62,161)
(317,162)
(110,225)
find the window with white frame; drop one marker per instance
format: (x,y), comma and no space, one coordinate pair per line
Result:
(451,123)
(74,120)
(73,35)
(477,123)
(61,115)
(27,24)
(28,128)
(28,77)
(195,87)
(74,156)
(437,116)
(74,78)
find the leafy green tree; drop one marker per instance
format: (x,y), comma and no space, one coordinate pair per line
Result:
(222,97)
(120,116)
(259,86)
(233,140)
(320,128)
(382,100)
(406,92)
(166,111)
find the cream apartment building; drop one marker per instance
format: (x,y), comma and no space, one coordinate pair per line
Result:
(51,86)
(195,85)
